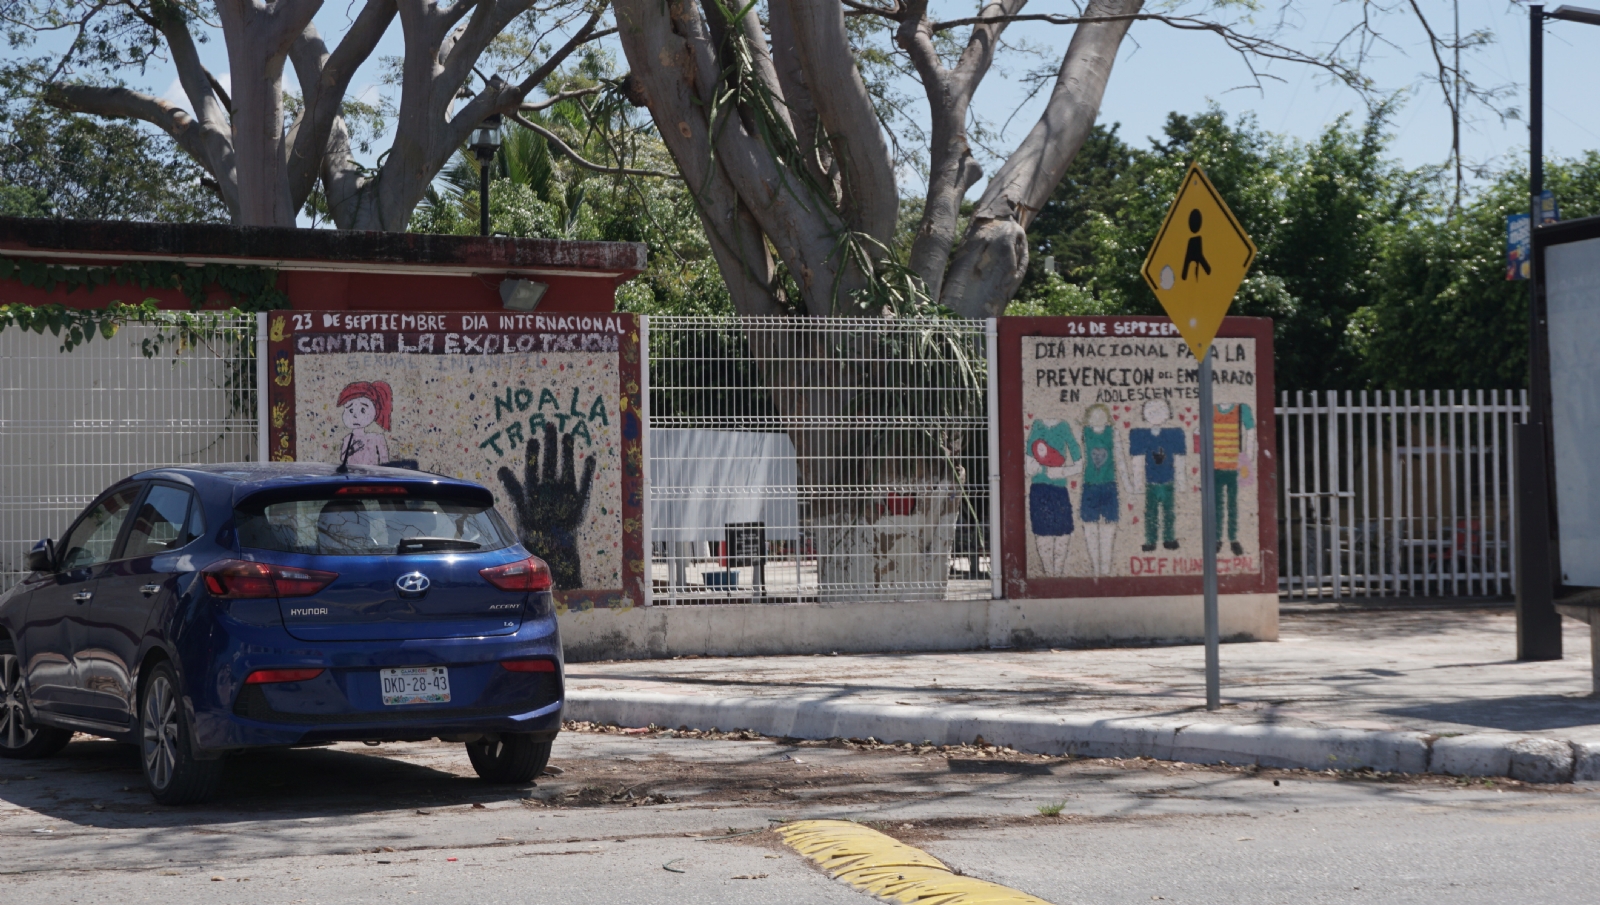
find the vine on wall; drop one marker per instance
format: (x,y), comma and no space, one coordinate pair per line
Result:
(251,288)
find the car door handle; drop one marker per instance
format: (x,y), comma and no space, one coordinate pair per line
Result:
(83,596)
(149,590)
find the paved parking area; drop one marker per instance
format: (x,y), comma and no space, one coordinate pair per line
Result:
(670,819)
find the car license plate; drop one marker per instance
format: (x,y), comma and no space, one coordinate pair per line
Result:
(415,685)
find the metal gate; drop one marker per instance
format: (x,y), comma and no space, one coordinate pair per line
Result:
(818,459)
(1397,493)
(175,391)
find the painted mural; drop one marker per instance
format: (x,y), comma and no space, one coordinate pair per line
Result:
(543,410)
(1111,454)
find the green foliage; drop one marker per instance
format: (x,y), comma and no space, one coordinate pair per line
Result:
(1444,314)
(251,288)
(1050,295)
(1344,232)
(55,164)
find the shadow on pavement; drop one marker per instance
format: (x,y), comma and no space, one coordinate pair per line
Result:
(1519,713)
(99,783)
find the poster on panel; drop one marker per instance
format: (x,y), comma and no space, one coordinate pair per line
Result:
(1572,297)
(541,409)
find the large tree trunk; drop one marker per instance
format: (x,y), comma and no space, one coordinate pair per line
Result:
(733,157)
(259,38)
(993,256)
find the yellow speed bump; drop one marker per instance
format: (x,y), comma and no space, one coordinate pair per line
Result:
(886,867)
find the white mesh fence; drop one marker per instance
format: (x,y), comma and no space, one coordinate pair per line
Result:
(72,423)
(818,460)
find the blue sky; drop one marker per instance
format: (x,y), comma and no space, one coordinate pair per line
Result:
(1161,69)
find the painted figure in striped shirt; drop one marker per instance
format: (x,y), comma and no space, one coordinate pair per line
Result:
(1234,445)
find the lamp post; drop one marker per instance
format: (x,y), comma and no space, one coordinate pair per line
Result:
(1538,623)
(485,142)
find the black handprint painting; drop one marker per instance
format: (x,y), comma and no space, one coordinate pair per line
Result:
(551,507)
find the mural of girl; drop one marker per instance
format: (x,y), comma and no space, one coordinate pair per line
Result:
(363,404)
(1105,468)
(1053,457)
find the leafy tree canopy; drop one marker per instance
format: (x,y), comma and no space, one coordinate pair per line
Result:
(66,165)
(1371,277)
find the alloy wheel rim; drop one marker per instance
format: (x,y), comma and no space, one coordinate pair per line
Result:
(160,731)
(14,729)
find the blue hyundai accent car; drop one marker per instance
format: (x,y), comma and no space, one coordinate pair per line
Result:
(200,611)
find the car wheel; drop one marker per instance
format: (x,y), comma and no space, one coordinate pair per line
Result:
(166,744)
(19,739)
(509,757)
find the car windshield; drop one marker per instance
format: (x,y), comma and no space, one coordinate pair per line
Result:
(336,525)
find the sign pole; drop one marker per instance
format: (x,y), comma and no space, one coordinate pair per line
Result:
(1194,267)
(1208,533)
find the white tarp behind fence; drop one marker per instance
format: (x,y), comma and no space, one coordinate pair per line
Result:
(72,423)
(1400,493)
(817,459)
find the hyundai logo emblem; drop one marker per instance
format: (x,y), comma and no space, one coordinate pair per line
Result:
(413,584)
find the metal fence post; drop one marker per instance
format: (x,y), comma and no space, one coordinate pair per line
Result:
(263,447)
(991,340)
(644,456)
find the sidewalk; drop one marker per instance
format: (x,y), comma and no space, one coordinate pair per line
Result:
(1412,691)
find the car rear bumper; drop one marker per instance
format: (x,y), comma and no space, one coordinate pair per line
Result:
(344,703)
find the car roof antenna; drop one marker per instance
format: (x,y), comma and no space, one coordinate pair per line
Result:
(344,458)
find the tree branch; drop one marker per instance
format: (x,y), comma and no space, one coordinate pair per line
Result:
(871,203)
(547,103)
(324,79)
(981,46)
(989,264)
(869,9)
(796,93)
(221,92)
(579,38)
(1243,44)
(1445,73)
(562,148)
(115,101)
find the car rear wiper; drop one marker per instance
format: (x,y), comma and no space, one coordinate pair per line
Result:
(434,544)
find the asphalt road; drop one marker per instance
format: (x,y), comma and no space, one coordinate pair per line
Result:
(685,820)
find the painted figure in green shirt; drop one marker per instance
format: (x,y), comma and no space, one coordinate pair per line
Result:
(1105,466)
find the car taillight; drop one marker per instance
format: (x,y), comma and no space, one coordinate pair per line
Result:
(234,578)
(538,665)
(267,676)
(531,574)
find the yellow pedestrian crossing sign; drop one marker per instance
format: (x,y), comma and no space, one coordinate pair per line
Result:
(1198,261)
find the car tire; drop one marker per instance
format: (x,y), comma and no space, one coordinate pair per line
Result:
(166,744)
(509,757)
(20,739)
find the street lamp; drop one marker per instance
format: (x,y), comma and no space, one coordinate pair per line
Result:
(1538,623)
(485,142)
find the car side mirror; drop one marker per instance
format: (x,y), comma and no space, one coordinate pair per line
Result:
(42,558)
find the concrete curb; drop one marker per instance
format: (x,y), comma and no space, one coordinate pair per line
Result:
(1528,758)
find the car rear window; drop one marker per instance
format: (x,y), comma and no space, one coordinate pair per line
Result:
(331,524)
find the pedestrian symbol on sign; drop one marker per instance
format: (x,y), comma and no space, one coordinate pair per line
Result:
(1194,254)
